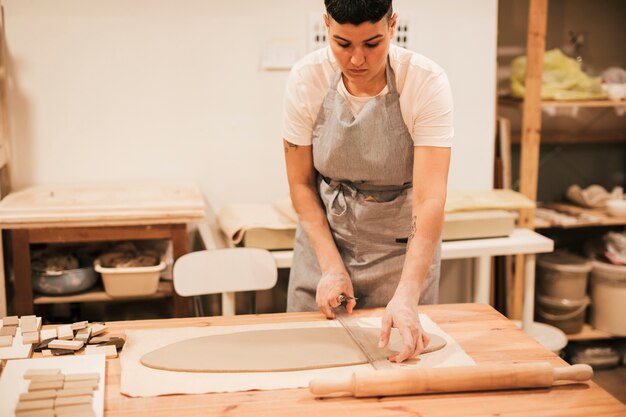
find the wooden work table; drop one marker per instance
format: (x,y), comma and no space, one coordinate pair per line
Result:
(486,335)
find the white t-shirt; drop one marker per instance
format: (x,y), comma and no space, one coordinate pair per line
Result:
(425,96)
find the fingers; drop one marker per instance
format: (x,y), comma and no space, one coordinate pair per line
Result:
(425,341)
(350,306)
(385,330)
(327,311)
(409,341)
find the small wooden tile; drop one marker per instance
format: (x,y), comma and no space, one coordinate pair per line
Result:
(47,353)
(8,330)
(39,395)
(35,413)
(34,405)
(48,334)
(10,321)
(99,339)
(42,378)
(83,335)
(66,344)
(6,341)
(74,392)
(63,401)
(38,386)
(65,332)
(87,383)
(82,377)
(62,352)
(28,324)
(79,325)
(45,371)
(97,329)
(30,338)
(109,351)
(73,409)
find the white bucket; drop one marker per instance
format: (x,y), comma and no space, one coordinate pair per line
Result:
(608,294)
(548,336)
(563,275)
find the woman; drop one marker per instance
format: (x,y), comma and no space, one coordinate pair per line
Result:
(367,136)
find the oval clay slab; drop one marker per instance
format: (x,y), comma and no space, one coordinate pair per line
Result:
(270,351)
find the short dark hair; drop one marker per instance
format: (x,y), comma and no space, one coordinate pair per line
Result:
(358,11)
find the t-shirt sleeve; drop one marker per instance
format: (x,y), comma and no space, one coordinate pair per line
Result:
(297,118)
(433,121)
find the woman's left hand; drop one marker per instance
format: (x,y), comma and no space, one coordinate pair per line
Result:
(401,313)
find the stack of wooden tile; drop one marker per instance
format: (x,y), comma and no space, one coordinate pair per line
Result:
(17,336)
(52,393)
(71,338)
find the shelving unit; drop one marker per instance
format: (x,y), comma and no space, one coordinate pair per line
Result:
(164,290)
(531,137)
(589,333)
(512,101)
(594,217)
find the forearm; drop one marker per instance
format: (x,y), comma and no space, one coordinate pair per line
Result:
(426,226)
(312,217)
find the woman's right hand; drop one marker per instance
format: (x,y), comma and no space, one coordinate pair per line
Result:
(329,288)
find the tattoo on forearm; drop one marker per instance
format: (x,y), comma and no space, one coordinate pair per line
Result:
(290,146)
(412,234)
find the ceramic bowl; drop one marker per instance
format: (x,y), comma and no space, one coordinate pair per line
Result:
(615,91)
(616,207)
(64,282)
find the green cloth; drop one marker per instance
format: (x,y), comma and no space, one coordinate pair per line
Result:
(563,79)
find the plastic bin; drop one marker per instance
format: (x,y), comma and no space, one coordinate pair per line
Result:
(608,294)
(563,275)
(567,315)
(130,282)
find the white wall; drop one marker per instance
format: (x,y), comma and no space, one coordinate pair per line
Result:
(116,90)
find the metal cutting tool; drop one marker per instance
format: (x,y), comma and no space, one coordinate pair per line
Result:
(376,356)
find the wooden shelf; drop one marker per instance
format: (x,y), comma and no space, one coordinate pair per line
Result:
(516,102)
(164,290)
(589,333)
(576,137)
(600,217)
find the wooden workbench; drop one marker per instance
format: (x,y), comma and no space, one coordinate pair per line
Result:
(482,332)
(95,213)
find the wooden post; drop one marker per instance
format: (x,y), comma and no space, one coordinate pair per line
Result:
(180,246)
(23,304)
(531,128)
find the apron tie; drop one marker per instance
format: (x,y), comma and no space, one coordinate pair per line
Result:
(338,200)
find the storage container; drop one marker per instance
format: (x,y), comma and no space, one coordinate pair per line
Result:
(608,294)
(563,275)
(130,282)
(567,315)
(69,281)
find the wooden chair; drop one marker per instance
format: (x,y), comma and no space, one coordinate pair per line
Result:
(224,271)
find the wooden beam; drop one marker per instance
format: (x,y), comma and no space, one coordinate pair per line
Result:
(531,134)
(531,121)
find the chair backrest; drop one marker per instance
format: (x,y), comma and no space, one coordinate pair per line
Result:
(224,271)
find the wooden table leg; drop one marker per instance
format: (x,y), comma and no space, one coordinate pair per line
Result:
(180,246)
(528,311)
(22,272)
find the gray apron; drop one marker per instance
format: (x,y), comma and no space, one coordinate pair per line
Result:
(365,168)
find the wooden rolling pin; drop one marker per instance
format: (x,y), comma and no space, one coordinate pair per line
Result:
(453,379)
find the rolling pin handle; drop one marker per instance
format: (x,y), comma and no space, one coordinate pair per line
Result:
(579,373)
(324,386)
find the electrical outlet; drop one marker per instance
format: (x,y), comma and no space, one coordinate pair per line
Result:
(404,30)
(318,35)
